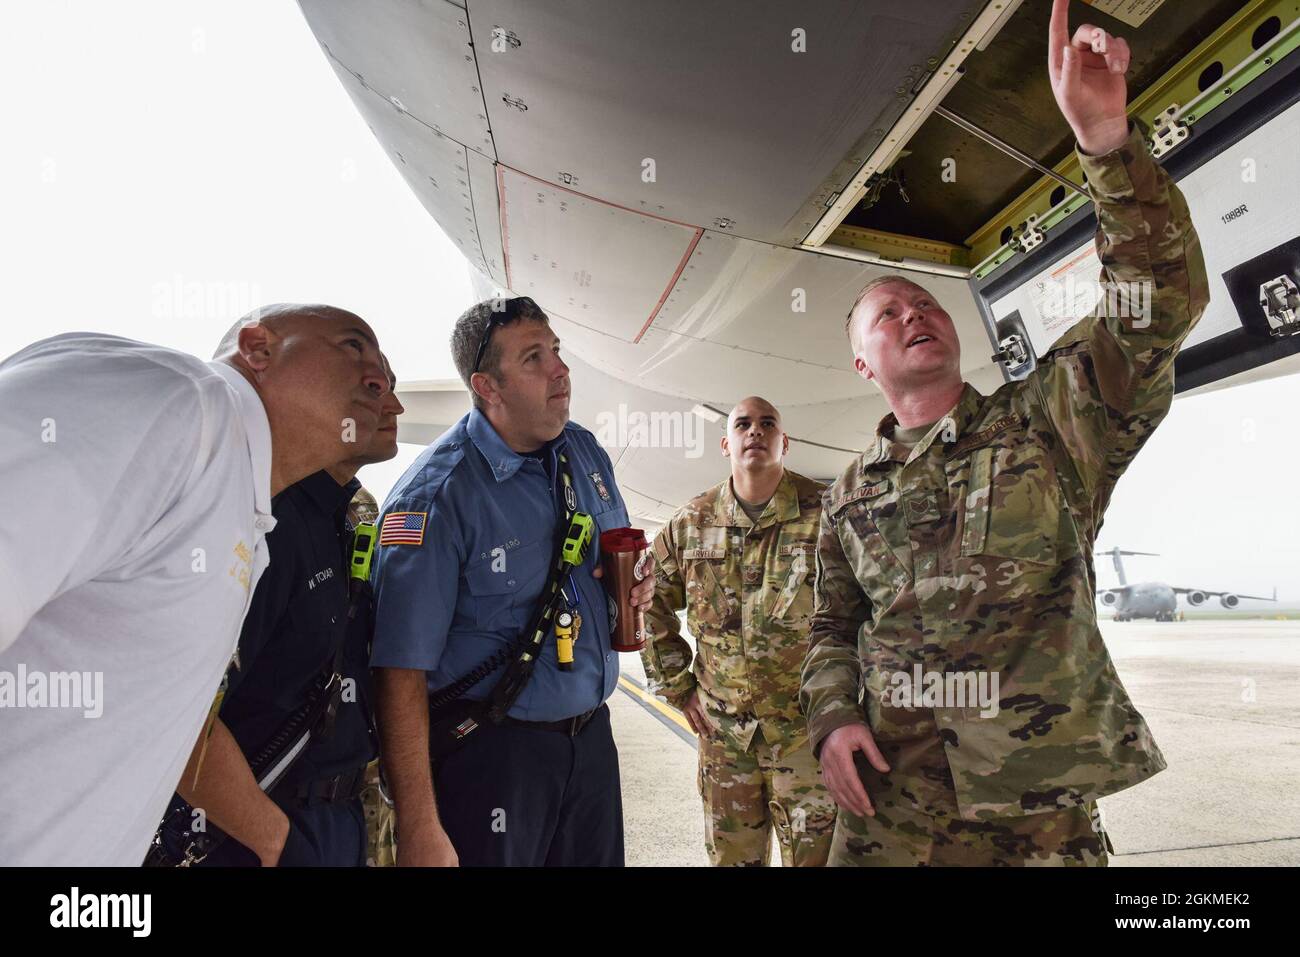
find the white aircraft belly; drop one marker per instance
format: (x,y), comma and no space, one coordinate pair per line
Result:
(672,284)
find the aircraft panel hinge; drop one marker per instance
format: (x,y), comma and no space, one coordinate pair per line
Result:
(1031,236)
(1280,300)
(1168,131)
(1012,351)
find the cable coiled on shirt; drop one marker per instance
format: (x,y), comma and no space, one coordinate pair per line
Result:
(462,684)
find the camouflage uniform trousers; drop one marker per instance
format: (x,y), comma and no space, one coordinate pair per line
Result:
(748,794)
(381,839)
(902,837)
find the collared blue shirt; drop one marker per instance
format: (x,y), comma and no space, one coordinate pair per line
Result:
(471,586)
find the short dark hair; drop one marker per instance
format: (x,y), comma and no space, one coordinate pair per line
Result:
(473,325)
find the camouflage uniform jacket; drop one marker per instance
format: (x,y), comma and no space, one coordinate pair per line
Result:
(747,590)
(974,552)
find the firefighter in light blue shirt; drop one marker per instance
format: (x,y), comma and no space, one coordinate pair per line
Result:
(467,540)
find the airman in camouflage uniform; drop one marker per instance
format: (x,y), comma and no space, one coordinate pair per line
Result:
(742,569)
(962,541)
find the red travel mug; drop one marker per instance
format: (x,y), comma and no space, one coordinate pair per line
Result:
(623,554)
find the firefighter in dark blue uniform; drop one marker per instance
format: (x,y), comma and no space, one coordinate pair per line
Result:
(297,634)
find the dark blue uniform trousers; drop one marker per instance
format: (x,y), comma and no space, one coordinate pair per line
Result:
(320,835)
(519,796)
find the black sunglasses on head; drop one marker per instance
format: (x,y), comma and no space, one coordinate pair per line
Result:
(499,317)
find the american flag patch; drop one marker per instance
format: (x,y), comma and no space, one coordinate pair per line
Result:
(403,528)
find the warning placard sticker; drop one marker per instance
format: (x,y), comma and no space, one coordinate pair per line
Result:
(1063,294)
(1132,12)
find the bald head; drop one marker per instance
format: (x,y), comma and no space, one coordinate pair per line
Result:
(755,441)
(754,406)
(282,318)
(321,379)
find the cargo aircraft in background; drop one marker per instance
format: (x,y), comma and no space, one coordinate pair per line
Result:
(1156,599)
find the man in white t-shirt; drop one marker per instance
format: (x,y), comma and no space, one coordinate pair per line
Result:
(146,478)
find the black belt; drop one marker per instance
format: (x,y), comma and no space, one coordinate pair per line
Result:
(336,790)
(570,726)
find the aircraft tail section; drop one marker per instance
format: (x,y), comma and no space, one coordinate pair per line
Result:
(1115,554)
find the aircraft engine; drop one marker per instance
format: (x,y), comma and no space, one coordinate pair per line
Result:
(1108,598)
(1229,601)
(1195,597)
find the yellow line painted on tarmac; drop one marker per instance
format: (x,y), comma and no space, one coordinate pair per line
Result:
(641,695)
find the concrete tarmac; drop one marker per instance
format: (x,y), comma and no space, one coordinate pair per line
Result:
(1221,697)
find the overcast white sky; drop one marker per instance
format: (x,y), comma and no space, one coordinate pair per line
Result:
(169,165)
